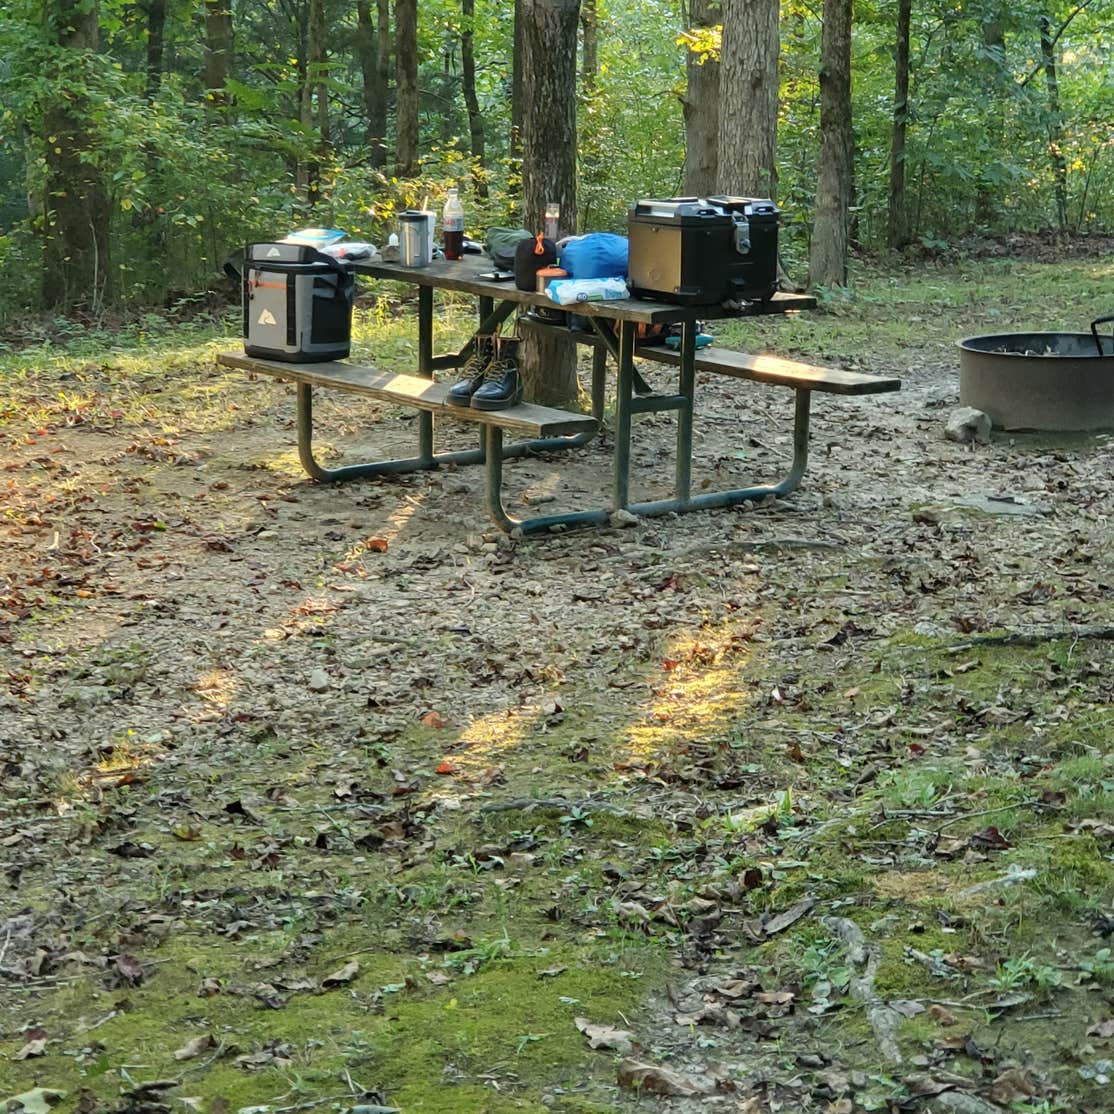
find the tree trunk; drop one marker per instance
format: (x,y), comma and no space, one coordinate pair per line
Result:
(1055,124)
(988,205)
(156,37)
(406,87)
(76,242)
(372,48)
(471,101)
(517,79)
(549,168)
(747,146)
(828,253)
(897,226)
(315,102)
(701,107)
(590,47)
(218,50)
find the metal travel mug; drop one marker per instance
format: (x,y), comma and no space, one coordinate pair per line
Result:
(413,245)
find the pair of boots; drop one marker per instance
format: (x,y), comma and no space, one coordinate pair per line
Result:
(490,375)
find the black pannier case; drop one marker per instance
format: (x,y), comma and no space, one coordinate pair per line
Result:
(703,250)
(297,304)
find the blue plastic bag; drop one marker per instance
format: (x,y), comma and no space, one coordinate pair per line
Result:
(596,255)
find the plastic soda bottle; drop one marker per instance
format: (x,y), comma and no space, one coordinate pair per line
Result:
(452,226)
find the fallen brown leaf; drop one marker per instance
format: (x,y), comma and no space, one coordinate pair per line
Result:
(195,1047)
(781,921)
(655,1079)
(604,1036)
(31,1049)
(343,975)
(130,969)
(774,997)
(1012,1086)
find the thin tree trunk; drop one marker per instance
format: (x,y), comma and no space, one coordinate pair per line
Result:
(218,51)
(549,168)
(897,229)
(701,107)
(471,101)
(828,253)
(590,47)
(1055,124)
(156,38)
(406,87)
(383,56)
(315,101)
(517,65)
(988,206)
(747,146)
(76,244)
(373,68)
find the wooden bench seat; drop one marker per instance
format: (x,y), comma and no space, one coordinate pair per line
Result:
(412,390)
(772,370)
(776,371)
(545,428)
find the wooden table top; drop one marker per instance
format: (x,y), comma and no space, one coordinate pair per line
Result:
(464,275)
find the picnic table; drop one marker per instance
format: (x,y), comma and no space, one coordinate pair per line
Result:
(612,330)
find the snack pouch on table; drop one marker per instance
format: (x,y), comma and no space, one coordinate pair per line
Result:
(569,292)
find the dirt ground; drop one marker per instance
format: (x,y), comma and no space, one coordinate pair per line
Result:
(703,782)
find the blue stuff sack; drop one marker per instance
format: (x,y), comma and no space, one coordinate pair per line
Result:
(596,255)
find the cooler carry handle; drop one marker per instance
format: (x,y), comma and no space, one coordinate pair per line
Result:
(317,257)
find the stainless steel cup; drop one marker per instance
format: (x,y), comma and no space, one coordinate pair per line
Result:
(413,245)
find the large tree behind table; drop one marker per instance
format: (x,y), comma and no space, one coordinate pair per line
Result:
(549,164)
(76,208)
(701,101)
(749,98)
(834,177)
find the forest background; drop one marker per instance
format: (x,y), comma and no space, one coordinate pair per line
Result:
(140,143)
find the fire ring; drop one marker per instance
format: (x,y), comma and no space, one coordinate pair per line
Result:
(1040,381)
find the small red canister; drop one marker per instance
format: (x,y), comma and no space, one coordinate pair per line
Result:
(550,315)
(547,274)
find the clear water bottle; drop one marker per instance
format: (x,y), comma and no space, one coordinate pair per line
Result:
(452,226)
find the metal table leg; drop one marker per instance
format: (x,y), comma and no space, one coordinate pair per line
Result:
(624,393)
(686,388)
(713,499)
(493,478)
(425,368)
(373,468)
(599,382)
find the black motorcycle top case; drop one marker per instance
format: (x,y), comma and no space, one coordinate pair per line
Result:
(297,304)
(703,251)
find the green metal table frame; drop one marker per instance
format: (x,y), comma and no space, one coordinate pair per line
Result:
(496,303)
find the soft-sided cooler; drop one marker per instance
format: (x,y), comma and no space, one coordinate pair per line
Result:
(703,251)
(297,304)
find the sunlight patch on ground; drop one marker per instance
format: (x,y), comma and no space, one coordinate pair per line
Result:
(699,692)
(485,740)
(118,764)
(217,688)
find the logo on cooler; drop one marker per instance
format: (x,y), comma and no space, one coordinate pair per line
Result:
(273,253)
(266,318)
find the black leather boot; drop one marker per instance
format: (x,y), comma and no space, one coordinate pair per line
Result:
(501,387)
(473,371)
